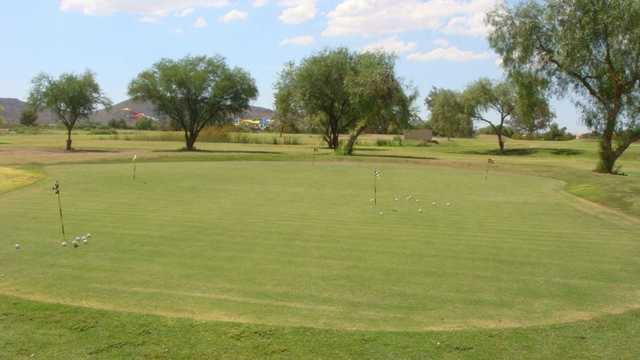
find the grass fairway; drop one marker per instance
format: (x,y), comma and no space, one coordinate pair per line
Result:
(292,244)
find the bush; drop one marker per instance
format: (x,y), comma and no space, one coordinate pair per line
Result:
(145,124)
(396,141)
(556,133)
(506,131)
(118,124)
(29,117)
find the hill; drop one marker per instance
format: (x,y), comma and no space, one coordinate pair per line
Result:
(14,107)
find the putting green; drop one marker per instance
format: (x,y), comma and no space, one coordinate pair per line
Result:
(292,244)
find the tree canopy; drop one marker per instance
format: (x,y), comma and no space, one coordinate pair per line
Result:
(344,92)
(589,47)
(71,97)
(195,92)
(447,114)
(517,99)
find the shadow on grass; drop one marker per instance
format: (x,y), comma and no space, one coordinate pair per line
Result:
(219,152)
(91,151)
(372,149)
(408,157)
(526,152)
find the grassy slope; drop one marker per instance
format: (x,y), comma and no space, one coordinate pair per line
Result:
(46,331)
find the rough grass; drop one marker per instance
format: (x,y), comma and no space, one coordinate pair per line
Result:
(48,331)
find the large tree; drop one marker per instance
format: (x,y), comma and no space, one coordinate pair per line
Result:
(484,96)
(195,92)
(446,113)
(519,98)
(344,92)
(316,89)
(378,96)
(71,97)
(589,46)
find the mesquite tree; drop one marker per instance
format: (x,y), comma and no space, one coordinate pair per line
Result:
(195,92)
(71,97)
(344,92)
(590,47)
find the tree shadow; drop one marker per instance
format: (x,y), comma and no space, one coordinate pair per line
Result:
(408,157)
(525,152)
(219,151)
(92,151)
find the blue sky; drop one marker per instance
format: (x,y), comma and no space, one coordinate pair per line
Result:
(438,42)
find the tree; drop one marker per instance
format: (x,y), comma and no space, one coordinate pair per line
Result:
(447,114)
(519,99)
(378,97)
(70,97)
(590,47)
(485,95)
(316,89)
(532,112)
(1,118)
(29,117)
(195,92)
(343,91)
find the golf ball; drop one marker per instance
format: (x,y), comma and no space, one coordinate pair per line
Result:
(64,244)
(381,213)
(85,241)
(434,203)
(17,246)
(448,204)
(419,210)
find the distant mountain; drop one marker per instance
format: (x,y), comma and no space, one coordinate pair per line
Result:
(13,108)
(123,110)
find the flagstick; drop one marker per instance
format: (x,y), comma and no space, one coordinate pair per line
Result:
(134,167)
(375,187)
(56,189)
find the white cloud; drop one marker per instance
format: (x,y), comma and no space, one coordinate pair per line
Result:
(146,9)
(298,40)
(185,12)
(370,17)
(450,53)
(200,23)
(259,3)
(234,15)
(391,45)
(297,11)
(441,42)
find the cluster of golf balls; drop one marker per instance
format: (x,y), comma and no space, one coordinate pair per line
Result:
(78,240)
(412,198)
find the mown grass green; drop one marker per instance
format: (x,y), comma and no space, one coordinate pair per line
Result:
(293,244)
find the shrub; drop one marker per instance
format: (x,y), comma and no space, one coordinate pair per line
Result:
(145,124)
(29,117)
(118,124)
(556,133)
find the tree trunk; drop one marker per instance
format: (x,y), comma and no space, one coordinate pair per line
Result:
(500,142)
(69,148)
(190,140)
(607,154)
(348,150)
